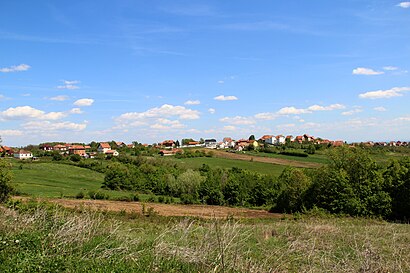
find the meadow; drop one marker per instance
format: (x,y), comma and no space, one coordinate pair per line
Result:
(39,237)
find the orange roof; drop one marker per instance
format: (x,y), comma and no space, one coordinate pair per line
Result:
(266,137)
(105,145)
(193,142)
(77,147)
(59,146)
(110,151)
(23,152)
(87,147)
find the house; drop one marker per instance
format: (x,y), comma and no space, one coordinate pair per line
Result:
(269,139)
(8,150)
(289,139)
(46,147)
(120,144)
(130,146)
(60,147)
(338,143)
(299,139)
(103,147)
(253,142)
(168,144)
(112,153)
(280,140)
(266,137)
(22,154)
(210,143)
(228,142)
(77,150)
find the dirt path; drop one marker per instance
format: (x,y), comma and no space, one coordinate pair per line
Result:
(201,211)
(279,161)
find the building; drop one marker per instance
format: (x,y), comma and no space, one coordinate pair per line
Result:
(22,154)
(77,150)
(103,147)
(112,153)
(210,143)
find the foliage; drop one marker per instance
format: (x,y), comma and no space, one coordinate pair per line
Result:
(75,157)
(5,179)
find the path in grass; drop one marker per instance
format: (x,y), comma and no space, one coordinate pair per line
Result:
(271,160)
(201,211)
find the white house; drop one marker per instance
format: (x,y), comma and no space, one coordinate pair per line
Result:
(112,152)
(280,140)
(103,147)
(270,140)
(22,154)
(210,143)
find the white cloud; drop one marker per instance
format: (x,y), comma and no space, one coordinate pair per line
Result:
(229,128)
(266,116)
(385,94)
(380,109)
(60,98)
(76,111)
(390,68)
(15,68)
(404,5)
(292,111)
(221,82)
(84,102)
(71,85)
(46,126)
(366,71)
(225,98)
(164,111)
(192,102)
(166,124)
(28,112)
(403,118)
(11,133)
(326,108)
(352,112)
(238,120)
(211,110)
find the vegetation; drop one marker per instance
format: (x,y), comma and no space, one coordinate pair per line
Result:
(5,179)
(39,238)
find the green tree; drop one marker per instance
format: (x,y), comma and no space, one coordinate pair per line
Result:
(75,157)
(5,179)
(251,137)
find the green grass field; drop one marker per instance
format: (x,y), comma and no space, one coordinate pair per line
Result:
(315,158)
(214,162)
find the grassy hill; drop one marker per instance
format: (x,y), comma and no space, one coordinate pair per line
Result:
(54,180)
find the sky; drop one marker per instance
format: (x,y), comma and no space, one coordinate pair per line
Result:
(146,71)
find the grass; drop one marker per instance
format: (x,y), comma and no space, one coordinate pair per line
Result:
(37,238)
(315,158)
(214,162)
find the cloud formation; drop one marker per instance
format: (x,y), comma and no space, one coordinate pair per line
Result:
(47,126)
(238,120)
(71,85)
(15,68)
(84,102)
(380,109)
(28,112)
(211,110)
(192,102)
(11,133)
(366,71)
(60,98)
(404,5)
(385,94)
(225,98)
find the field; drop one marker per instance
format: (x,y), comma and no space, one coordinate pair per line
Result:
(214,162)
(85,241)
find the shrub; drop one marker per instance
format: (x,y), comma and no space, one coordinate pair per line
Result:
(80,195)
(75,158)
(5,178)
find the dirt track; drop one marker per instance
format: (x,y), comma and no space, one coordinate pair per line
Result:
(279,161)
(201,211)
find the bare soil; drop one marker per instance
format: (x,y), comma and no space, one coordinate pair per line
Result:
(201,211)
(279,161)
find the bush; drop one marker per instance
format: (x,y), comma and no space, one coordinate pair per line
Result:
(294,153)
(75,158)
(80,195)
(5,178)
(98,195)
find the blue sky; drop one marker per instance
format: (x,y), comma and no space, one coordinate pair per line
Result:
(146,71)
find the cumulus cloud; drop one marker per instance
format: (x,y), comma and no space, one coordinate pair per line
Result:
(229,128)
(11,133)
(225,98)
(211,110)
(76,111)
(385,94)
(326,108)
(366,71)
(164,111)
(292,111)
(221,82)
(84,102)
(238,120)
(47,126)
(60,98)
(71,85)
(390,68)
(352,112)
(266,116)
(28,112)
(192,102)
(15,68)
(404,5)
(380,109)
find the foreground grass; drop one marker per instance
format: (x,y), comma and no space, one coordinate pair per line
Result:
(51,239)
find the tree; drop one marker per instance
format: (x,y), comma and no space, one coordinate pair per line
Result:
(251,137)
(75,157)
(177,143)
(5,178)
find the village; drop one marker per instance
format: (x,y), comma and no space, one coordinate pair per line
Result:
(172,147)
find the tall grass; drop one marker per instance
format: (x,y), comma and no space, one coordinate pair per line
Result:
(43,238)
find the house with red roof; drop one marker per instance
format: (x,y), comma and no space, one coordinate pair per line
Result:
(103,147)
(23,155)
